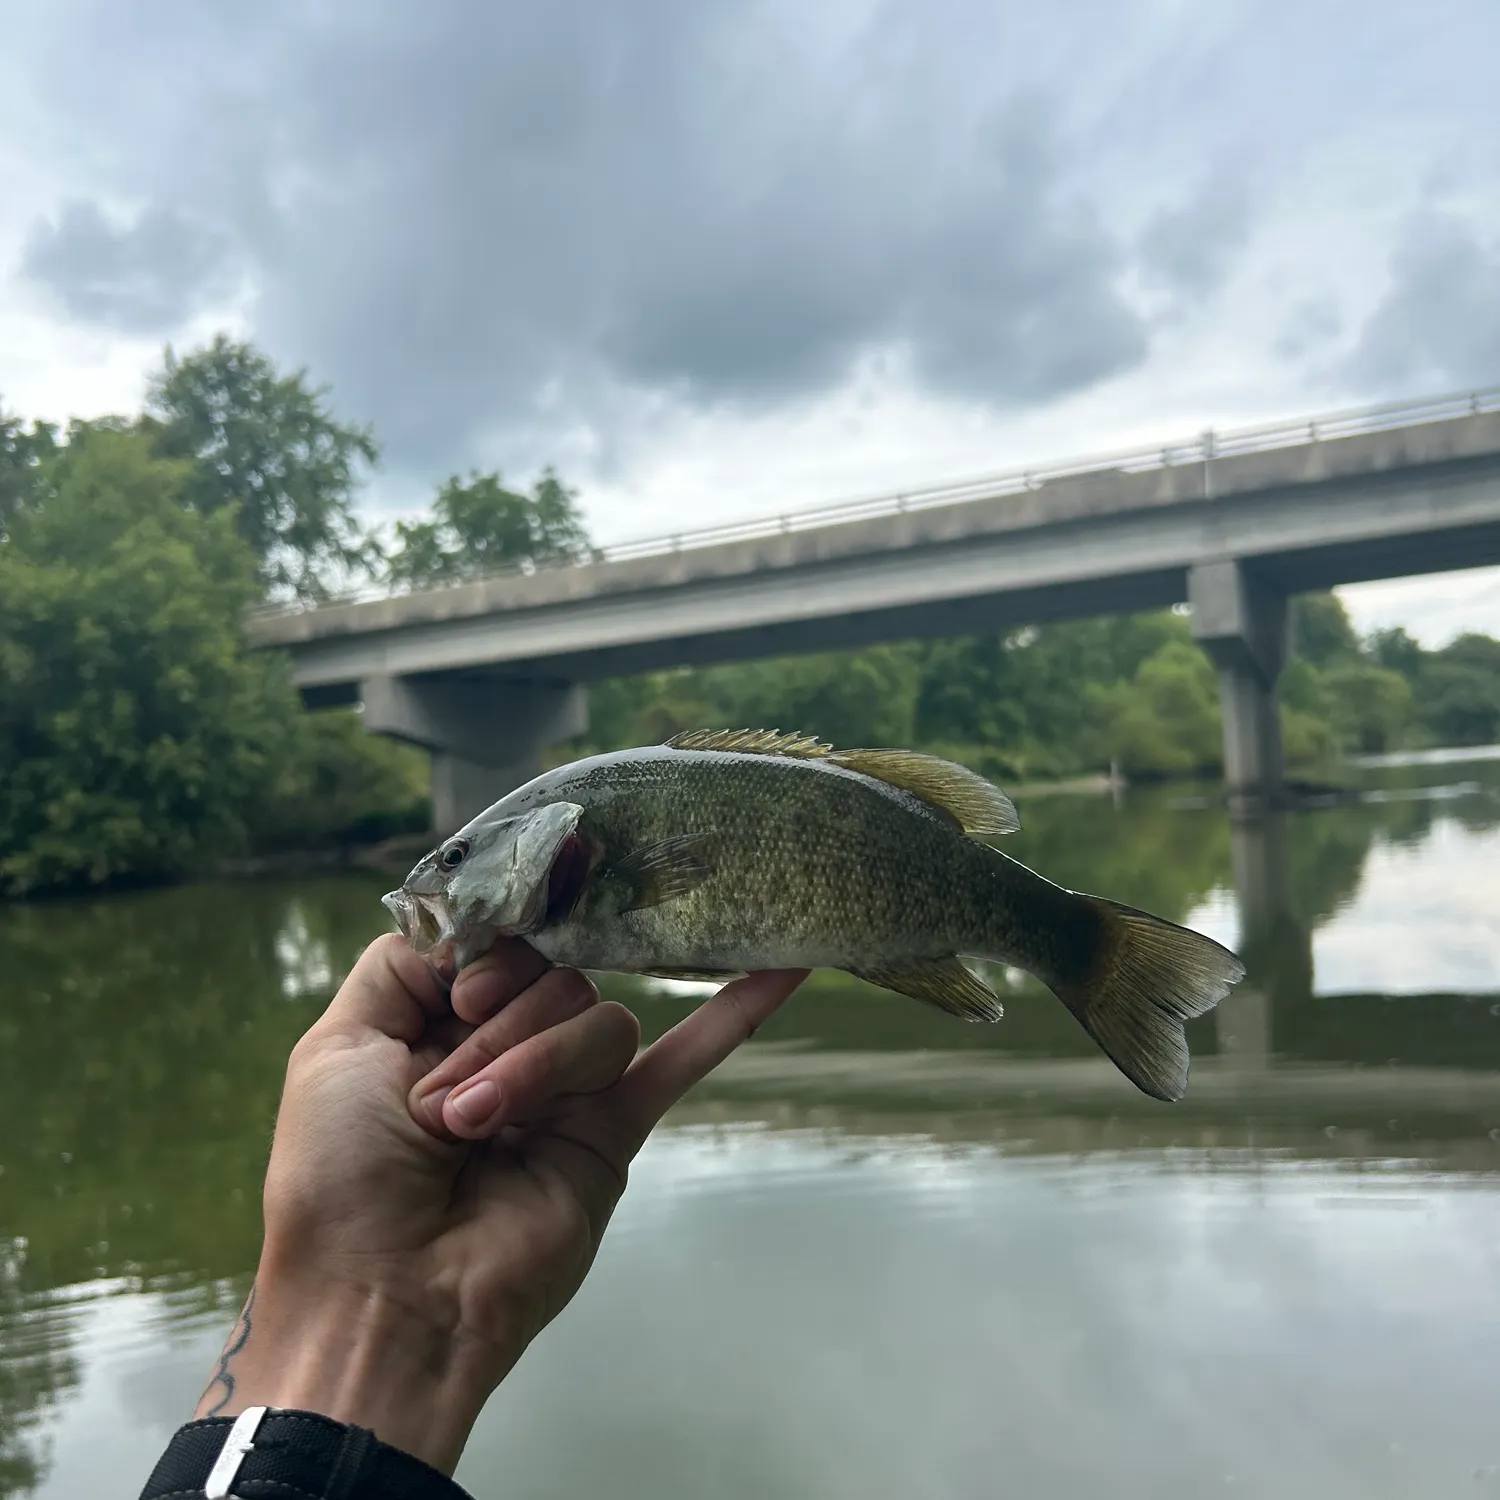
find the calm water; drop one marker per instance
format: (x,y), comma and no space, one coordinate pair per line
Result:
(881,1253)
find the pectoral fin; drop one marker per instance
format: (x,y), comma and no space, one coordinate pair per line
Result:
(662,871)
(943,982)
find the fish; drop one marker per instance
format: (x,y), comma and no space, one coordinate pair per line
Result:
(720,852)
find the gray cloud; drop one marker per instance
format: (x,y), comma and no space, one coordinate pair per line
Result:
(1309,328)
(507,230)
(1190,246)
(1439,322)
(479,217)
(146,277)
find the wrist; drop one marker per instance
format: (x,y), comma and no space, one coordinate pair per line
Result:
(359,1355)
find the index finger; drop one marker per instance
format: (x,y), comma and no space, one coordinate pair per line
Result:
(695,1046)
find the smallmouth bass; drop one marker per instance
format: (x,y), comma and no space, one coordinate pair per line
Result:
(722,852)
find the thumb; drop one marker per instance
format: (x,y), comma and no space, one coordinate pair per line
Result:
(391,990)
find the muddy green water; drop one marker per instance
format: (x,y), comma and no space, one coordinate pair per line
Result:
(881,1253)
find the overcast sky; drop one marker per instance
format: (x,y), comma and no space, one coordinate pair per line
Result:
(716,260)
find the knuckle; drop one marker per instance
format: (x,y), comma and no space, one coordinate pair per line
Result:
(575,987)
(621,1021)
(488,1044)
(742,1016)
(305,1051)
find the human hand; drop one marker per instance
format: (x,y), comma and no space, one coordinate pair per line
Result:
(414,1246)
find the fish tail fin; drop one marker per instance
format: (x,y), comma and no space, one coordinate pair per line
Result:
(1146,978)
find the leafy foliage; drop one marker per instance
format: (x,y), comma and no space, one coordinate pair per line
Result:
(22,453)
(1458,691)
(1031,696)
(266,446)
(1066,699)
(1322,632)
(1165,719)
(134,725)
(478,526)
(340,785)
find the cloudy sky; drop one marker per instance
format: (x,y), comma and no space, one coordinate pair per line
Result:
(718,260)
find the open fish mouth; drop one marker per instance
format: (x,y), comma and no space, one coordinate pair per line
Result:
(502,877)
(423,920)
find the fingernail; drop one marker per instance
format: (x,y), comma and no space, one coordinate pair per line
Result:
(433,1104)
(476,1103)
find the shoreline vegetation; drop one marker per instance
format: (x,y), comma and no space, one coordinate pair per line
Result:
(142,741)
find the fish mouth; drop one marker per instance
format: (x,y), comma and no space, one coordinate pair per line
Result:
(422,919)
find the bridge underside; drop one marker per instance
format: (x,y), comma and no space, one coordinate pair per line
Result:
(1306,571)
(1239,615)
(1234,544)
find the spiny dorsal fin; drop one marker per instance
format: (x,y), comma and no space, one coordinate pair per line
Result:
(752,742)
(981,809)
(943,982)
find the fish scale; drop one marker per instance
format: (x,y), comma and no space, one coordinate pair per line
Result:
(809,859)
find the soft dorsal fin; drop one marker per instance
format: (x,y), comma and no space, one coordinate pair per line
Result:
(979,807)
(752,742)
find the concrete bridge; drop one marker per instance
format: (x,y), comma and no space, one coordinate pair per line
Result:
(487,674)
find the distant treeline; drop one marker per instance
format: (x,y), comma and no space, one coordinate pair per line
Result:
(1061,700)
(141,739)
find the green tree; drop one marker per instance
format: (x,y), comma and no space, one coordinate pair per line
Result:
(1322,632)
(1369,706)
(340,785)
(848,698)
(22,455)
(134,726)
(1395,650)
(478,526)
(1458,692)
(267,445)
(1025,694)
(1166,720)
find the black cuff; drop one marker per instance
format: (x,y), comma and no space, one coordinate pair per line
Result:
(291,1455)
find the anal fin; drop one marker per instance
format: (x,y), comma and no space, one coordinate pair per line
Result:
(941,982)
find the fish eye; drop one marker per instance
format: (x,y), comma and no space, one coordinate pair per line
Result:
(453,854)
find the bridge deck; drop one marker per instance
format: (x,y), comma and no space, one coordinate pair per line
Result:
(1387,503)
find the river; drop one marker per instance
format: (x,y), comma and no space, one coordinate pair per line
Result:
(880,1253)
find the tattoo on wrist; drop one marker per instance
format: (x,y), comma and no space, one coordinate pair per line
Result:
(223,1379)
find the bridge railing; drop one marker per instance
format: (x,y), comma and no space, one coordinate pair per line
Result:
(1202,449)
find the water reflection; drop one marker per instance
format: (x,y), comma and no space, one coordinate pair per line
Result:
(1038,1239)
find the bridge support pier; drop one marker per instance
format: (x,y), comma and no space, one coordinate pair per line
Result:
(1242,623)
(1276,946)
(486,734)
